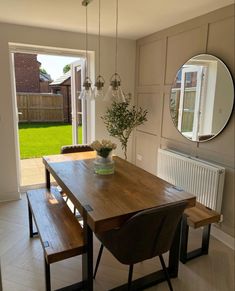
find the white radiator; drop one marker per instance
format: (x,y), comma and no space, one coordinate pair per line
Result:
(201,178)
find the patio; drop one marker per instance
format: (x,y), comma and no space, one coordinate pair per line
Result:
(32,172)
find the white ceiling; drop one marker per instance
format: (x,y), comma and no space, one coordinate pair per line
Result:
(137,18)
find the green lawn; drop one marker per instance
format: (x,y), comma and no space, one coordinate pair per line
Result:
(39,139)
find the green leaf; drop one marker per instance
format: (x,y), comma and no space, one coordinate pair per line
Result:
(120,120)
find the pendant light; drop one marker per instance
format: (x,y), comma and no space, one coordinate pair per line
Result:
(87,92)
(115,92)
(99,83)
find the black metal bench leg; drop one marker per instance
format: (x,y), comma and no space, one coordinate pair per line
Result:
(203,250)
(30,222)
(48,179)
(31,232)
(206,239)
(47,276)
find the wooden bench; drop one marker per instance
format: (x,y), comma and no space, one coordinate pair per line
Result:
(60,233)
(198,216)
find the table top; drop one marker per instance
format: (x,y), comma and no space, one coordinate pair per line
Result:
(111,199)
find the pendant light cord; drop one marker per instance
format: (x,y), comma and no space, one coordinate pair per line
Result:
(86,69)
(99,41)
(116,53)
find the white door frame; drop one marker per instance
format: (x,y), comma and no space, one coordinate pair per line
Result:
(37,49)
(198,70)
(74,103)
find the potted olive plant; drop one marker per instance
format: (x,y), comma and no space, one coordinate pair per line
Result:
(120,120)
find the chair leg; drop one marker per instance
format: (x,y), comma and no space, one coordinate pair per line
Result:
(47,276)
(166,272)
(130,277)
(98,260)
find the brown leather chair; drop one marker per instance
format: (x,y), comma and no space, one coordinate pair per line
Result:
(68,149)
(145,235)
(78,148)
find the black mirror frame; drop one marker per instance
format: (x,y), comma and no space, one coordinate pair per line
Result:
(232,107)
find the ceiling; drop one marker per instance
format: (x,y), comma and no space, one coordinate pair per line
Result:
(137,18)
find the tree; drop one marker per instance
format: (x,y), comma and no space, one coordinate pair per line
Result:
(120,119)
(66,68)
(42,70)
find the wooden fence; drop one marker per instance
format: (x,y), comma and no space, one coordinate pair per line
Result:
(40,107)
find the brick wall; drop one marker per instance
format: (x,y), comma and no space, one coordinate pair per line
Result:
(27,73)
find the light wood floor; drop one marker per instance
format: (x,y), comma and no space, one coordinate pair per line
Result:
(22,262)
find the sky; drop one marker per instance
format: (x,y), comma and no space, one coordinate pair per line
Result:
(54,64)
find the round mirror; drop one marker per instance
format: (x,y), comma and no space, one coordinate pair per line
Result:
(202,98)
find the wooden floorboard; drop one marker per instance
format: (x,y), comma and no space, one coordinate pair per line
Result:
(22,262)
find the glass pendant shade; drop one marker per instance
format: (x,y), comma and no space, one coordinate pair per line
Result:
(87,92)
(115,92)
(99,87)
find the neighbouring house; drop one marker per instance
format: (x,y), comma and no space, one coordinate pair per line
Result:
(28,76)
(45,80)
(62,85)
(34,97)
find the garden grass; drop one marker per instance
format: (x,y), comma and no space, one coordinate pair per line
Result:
(39,139)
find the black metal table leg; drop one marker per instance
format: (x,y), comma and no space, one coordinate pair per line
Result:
(47,276)
(184,240)
(87,257)
(48,179)
(173,265)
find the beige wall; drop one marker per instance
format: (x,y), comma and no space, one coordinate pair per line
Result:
(159,56)
(9,177)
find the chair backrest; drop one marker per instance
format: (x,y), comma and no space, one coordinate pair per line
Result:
(68,149)
(145,235)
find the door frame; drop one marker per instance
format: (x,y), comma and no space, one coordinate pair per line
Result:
(37,49)
(199,71)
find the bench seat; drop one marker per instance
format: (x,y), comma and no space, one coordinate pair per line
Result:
(201,215)
(60,233)
(195,217)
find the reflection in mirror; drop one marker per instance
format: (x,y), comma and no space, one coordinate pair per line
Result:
(202,97)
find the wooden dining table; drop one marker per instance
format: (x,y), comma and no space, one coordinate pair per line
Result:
(107,201)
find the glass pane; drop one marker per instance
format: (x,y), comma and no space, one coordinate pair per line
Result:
(189,101)
(79,128)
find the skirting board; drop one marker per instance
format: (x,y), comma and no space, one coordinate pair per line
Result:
(225,238)
(9,196)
